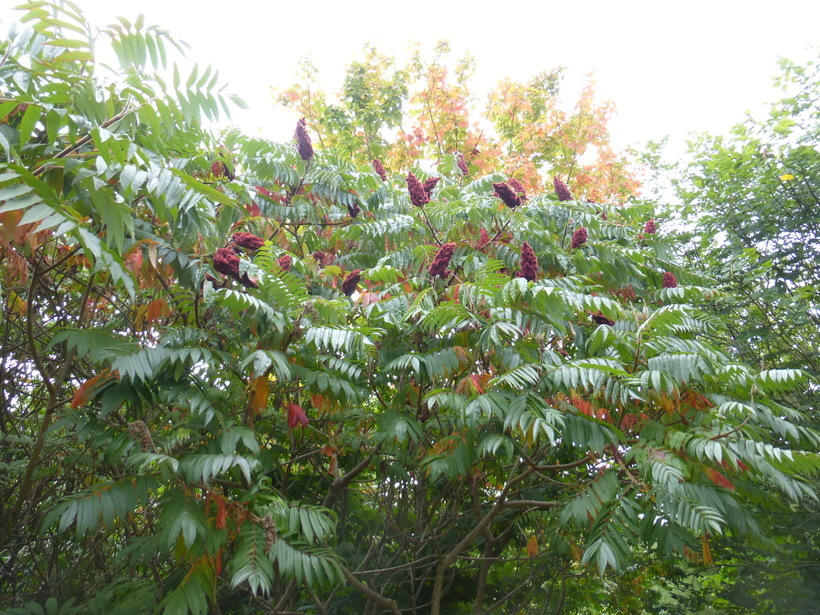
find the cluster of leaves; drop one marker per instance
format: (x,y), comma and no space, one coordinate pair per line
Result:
(425,111)
(331,426)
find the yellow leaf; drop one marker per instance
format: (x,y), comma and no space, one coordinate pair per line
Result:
(17,305)
(786,177)
(139,318)
(532,546)
(259,394)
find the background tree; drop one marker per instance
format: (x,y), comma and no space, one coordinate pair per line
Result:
(753,197)
(241,375)
(427,111)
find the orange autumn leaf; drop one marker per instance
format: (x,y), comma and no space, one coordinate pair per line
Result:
(584,407)
(667,404)
(218,562)
(84,391)
(139,318)
(696,400)
(470,386)
(149,314)
(326,404)
(532,546)
(691,555)
(259,392)
(320,402)
(156,308)
(707,550)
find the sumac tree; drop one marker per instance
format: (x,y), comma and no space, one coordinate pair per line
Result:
(240,375)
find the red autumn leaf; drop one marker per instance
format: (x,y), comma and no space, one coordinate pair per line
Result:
(253,210)
(718,478)
(221,512)
(133,262)
(629,421)
(469,386)
(367,298)
(297,416)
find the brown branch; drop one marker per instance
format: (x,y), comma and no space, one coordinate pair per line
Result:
(563,595)
(729,433)
(473,534)
(433,124)
(529,504)
(483,573)
(84,140)
(370,593)
(341,482)
(35,355)
(287,596)
(557,466)
(429,225)
(60,261)
(54,401)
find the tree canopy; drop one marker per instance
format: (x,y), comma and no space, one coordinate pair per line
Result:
(240,375)
(425,110)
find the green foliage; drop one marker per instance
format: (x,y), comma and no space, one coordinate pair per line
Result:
(304,417)
(754,194)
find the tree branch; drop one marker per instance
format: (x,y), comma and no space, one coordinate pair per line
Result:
(84,140)
(370,593)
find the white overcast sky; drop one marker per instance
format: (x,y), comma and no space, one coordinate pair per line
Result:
(672,67)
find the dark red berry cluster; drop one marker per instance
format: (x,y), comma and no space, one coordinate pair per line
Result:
(418,195)
(561,189)
(529,264)
(303,143)
(441,260)
(509,197)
